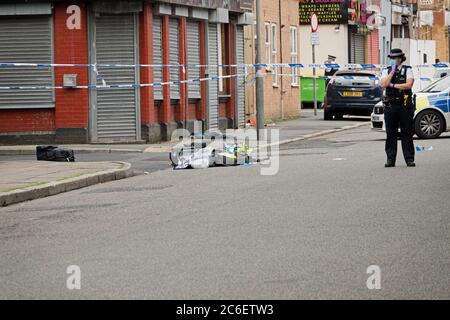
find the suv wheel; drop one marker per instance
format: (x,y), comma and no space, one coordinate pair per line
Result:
(429,124)
(327,114)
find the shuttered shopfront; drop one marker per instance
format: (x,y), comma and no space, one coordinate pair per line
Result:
(115,110)
(357,48)
(174,56)
(193,57)
(213,86)
(116,33)
(26,39)
(240,81)
(157,56)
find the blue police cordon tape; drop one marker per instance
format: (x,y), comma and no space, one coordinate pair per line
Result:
(267,65)
(124,86)
(351,77)
(177,82)
(184,66)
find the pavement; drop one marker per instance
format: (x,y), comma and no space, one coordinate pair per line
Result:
(24,180)
(309,232)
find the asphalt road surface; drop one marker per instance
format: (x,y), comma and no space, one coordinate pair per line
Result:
(310,231)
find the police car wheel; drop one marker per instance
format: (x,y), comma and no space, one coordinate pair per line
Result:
(429,124)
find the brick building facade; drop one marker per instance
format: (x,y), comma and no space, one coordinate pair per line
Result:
(434,25)
(136,35)
(280,43)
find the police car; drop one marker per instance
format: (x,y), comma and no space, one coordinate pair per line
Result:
(432,116)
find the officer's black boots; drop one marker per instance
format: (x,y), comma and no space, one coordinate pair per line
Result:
(389,164)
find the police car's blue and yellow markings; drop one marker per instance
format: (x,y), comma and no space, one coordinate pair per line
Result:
(426,103)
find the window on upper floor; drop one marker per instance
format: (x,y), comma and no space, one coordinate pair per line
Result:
(294,55)
(274,53)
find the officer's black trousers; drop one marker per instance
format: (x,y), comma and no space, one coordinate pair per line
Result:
(395,117)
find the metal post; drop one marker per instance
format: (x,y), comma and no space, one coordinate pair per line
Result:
(259,74)
(314,79)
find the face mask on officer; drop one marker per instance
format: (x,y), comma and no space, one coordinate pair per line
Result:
(398,61)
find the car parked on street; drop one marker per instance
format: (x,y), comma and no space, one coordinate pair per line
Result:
(351,93)
(435,75)
(432,116)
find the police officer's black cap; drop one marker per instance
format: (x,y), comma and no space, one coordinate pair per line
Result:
(396,53)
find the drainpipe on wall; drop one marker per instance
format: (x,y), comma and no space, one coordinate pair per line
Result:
(259,85)
(252,110)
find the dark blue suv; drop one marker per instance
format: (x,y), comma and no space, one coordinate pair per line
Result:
(351,93)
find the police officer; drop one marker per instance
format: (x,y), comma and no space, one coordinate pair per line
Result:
(399,108)
(330,60)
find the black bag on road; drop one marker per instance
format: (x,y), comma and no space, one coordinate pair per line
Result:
(53,153)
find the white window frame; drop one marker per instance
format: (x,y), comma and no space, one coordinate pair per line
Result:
(274,53)
(267,41)
(294,54)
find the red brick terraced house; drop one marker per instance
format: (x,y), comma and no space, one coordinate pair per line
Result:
(73,102)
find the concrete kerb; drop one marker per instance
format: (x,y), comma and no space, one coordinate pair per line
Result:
(53,188)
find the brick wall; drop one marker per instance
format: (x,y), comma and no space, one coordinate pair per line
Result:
(72,105)
(439,34)
(148,115)
(283,98)
(27,120)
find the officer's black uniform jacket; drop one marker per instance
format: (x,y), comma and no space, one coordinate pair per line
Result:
(398,97)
